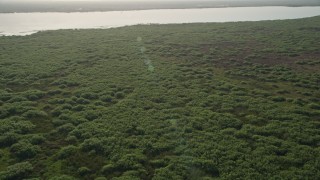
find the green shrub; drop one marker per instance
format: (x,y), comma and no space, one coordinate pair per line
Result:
(91,115)
(158,163)
(78,108)
(18,99)
(17,171)
(57,112)
(3,113)
(107,169)
(65,116)
(210,167)
(98,103)
(301,62)
(34,95)
(127,177)
(188,130)
(62,177)
(67,151)
(89,96)
(78,120)
(278,99)
(8,139)
(5,97)
(57,101)
(58,122)
(165,173)
(100,178)
(131,162)
(24,150)
(71,139)
(83,171)
(226,121)
(119,95)
(82,101)
(314,106)
(37,139)
(54,92)
(66,107)
(35,114)
(93,144)
(65,128)
(16,125)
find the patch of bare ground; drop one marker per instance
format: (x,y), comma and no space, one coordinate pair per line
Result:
(291,62)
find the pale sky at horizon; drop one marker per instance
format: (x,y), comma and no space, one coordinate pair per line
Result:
(110,0)
(107,0)
(89,0)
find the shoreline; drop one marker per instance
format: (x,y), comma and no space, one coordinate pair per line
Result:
(125,10)
(150,24)
(110,6)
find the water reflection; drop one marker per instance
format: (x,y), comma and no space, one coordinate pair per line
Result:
(28,23)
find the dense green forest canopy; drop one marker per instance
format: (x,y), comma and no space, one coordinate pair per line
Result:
(190,101)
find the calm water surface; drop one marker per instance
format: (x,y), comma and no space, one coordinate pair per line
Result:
(28,23)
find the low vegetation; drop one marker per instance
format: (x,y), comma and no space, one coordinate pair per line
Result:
(191,101)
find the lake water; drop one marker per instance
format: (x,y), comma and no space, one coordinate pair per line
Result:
(28,23)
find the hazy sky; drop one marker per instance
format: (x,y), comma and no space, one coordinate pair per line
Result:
(104,0)
(112,0)
(108,0)
(122,0)
(118,0)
